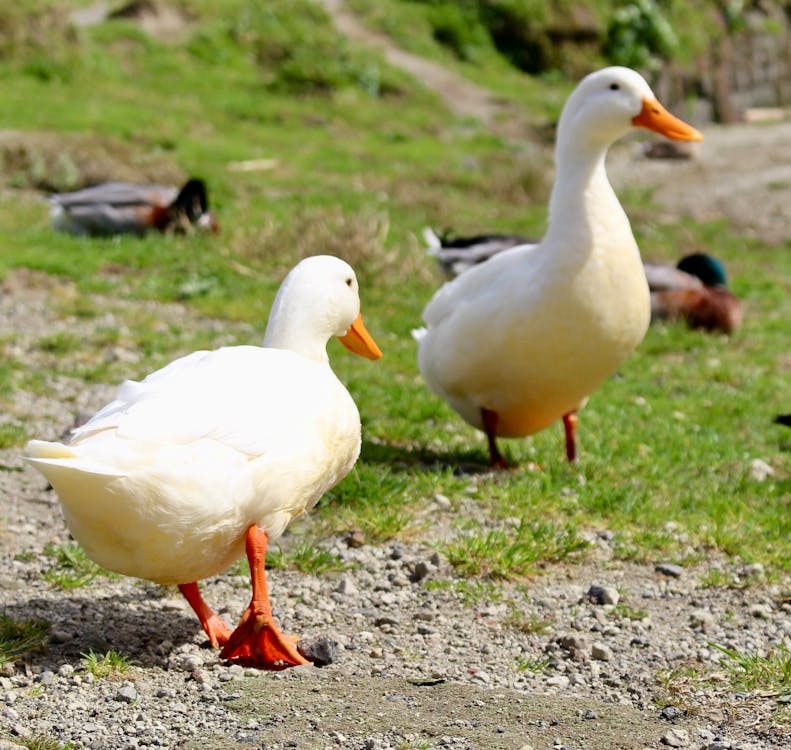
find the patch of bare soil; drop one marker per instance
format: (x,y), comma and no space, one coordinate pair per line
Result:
(159,20)
(462,97)
(741,172)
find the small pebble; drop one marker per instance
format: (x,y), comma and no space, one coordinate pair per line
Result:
(321,650)
(127,694)
(601,652)
(603,594)
(676,738)
(669,569)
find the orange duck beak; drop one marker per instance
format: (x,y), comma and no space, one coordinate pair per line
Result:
(359,341)
(655,117)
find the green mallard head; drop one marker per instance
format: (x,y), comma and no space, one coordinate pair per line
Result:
(709,270)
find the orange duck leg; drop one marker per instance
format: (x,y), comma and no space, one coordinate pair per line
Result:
(212,623)
(257,641)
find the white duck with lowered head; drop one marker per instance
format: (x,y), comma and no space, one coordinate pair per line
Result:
(214,454)
(522,340)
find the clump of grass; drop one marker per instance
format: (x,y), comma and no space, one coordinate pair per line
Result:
(21,637)
(305,557)
(59,343)
(105,665)
(73,568)
(769,674)
(676,682)
(506,555)
(40,742)
(629,613)
(11,434)
(528,623)
(535,664)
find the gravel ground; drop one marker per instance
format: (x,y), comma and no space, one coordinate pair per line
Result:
(605,657)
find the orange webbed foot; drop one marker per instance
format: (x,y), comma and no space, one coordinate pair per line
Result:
(257,642)
(217,630)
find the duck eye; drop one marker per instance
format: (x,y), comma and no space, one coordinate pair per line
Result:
(614,86)
(348,282)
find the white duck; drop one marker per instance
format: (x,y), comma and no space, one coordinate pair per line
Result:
(214,455)
(522,340)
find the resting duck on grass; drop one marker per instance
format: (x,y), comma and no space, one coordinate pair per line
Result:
(517,342)
(695,290)
(112,208)
(213,456)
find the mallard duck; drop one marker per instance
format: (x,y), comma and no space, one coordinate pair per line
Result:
(695,290)
(519,341)
(112,208)
(213,455)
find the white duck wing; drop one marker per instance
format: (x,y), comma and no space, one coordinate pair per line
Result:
(250,399)
(469,287)
(132,392)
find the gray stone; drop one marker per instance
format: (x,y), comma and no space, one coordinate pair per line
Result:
(676,738)
(603,594)
(442,501)
(127,694)
(701,619)
(46,677)
(60,636)
(419,571)
(573,644)
(761,611)
(347,587)
(321,650)
(601,652)
(669,569)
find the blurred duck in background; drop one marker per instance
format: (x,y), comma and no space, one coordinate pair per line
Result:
(112,208)
(695,290)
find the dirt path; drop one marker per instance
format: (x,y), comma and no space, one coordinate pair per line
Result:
(741,172)
(462,97)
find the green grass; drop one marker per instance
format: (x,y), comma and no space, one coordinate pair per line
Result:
(362,158)
(41,742)
(768,674)
(104,665)
(511,555)
(12,434)
(305,557)
(72,568)
(534,664)
(21,637)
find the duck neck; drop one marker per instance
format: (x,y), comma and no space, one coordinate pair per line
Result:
(290,327)
(583,208)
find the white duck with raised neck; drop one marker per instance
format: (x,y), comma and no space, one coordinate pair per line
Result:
(521,340)
(214,455)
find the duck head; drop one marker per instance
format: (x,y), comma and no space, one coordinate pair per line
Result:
(707,268)
(606,104)
(318,299)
